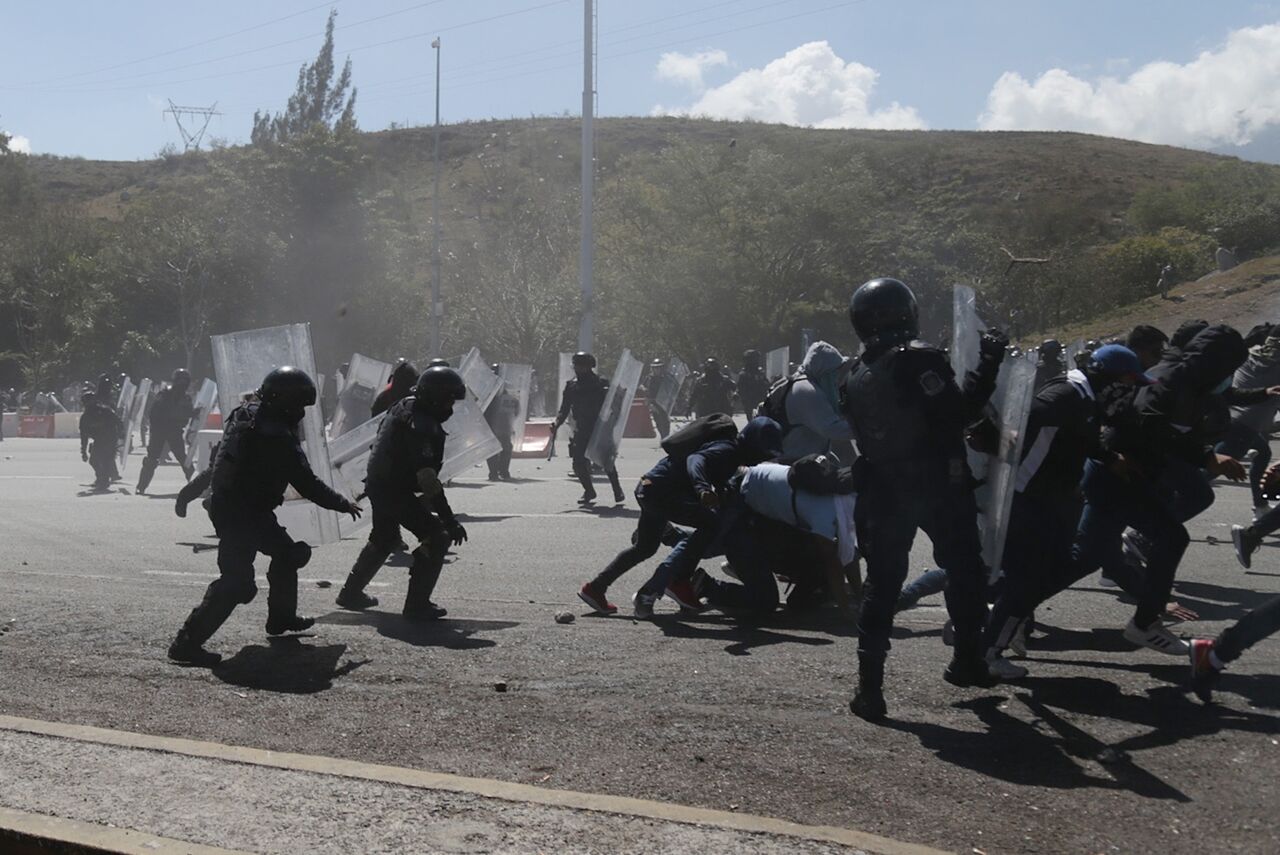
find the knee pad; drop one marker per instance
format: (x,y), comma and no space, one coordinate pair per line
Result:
(299,554)
(241,592)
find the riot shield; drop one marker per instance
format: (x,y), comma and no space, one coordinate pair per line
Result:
(479,377)
(349,455)
(206,397)
(469,441)
(519,380)
(364,379)
(1009,407)
(133,424)
(668,390)
(777,363)
(124,410)
(607,434)
(241,360)
(566,374)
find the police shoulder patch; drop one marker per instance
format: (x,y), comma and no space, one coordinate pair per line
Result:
(932,383)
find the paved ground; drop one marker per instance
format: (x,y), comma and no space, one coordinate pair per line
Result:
(1099,750)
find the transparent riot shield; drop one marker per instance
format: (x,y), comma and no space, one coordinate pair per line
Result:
(469,440)
(364,379)
(349,455)
(1009,407)
(519,381)
(133,424)
(124,410)
(206,397)
(607,434)
(566,374)
(480,379)
(668,390)
(777,363)
(240,361)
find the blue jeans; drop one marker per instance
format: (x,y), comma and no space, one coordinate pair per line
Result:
(933,581)
(1240,439)
(1113,504)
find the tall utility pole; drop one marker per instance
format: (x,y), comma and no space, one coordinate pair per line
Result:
(437,308)
(191,138)
(588,172)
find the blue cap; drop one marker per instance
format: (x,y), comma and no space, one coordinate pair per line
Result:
(1122,362)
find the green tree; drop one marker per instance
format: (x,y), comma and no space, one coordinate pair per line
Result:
(318,100)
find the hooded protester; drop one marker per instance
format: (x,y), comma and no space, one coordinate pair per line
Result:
(812,404)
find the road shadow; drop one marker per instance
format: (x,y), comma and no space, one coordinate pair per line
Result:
(1260,690)
(288,665)
(1099,639)
(1218,602)
(1046,752)
(447,633)
(742,638)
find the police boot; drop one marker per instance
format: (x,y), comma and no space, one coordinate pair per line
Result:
(618,495)
(201,624)
(868,703)
(967,667)
(282,600)
(423,576)
(368,562)
(144,476)
(582,471)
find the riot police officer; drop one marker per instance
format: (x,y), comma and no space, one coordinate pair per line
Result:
(501,415)
(100,423)
(909,420)
(753,384)
(583,397)
(259,457)
(713,391)
(406,460)
(403,378)
(170,414)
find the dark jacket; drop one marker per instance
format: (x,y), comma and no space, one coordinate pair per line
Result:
(171,411)
(1176,417)
(1063,430)
(259,457)
(712,465)
(583,398)
(101,424)
(408,440)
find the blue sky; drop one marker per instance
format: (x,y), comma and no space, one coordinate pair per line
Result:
(92,78)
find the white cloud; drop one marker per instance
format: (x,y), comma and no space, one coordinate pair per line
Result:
(809,86)
(1223,96)
(19,144)
(686,68)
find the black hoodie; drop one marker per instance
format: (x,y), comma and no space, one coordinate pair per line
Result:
(1170,418)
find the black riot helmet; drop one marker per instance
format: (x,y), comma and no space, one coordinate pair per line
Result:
(496,368)
(404,374)
(582,358)
(884,310)
(287,391)
(438,363)
(1050,348)
(711,365)
(439,384)
(181,378)
(752,359)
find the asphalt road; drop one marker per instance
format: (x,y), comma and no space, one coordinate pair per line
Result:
(1100,749)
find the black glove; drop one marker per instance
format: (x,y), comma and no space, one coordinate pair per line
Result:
(354,510)
(84,456)
(993,344)
(457,534)
(180,507)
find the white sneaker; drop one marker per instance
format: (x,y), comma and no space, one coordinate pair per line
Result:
(643,604)
(1245,542)
(1259,510)
(1003,669)
(1157,638)
(1106,581)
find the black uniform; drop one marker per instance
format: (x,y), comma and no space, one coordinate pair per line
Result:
(753,385)
(259,457)
(909,418)
(409,440)
(100,423)
(501,415)
(170,415)
(712,393)
(583,398)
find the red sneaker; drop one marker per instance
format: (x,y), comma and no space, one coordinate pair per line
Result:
(594,597)
(681,590)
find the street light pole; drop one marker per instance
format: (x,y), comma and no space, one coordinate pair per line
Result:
(437,309)
(588,177)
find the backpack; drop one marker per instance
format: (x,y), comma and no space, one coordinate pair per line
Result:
(774,405)
(699,432)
